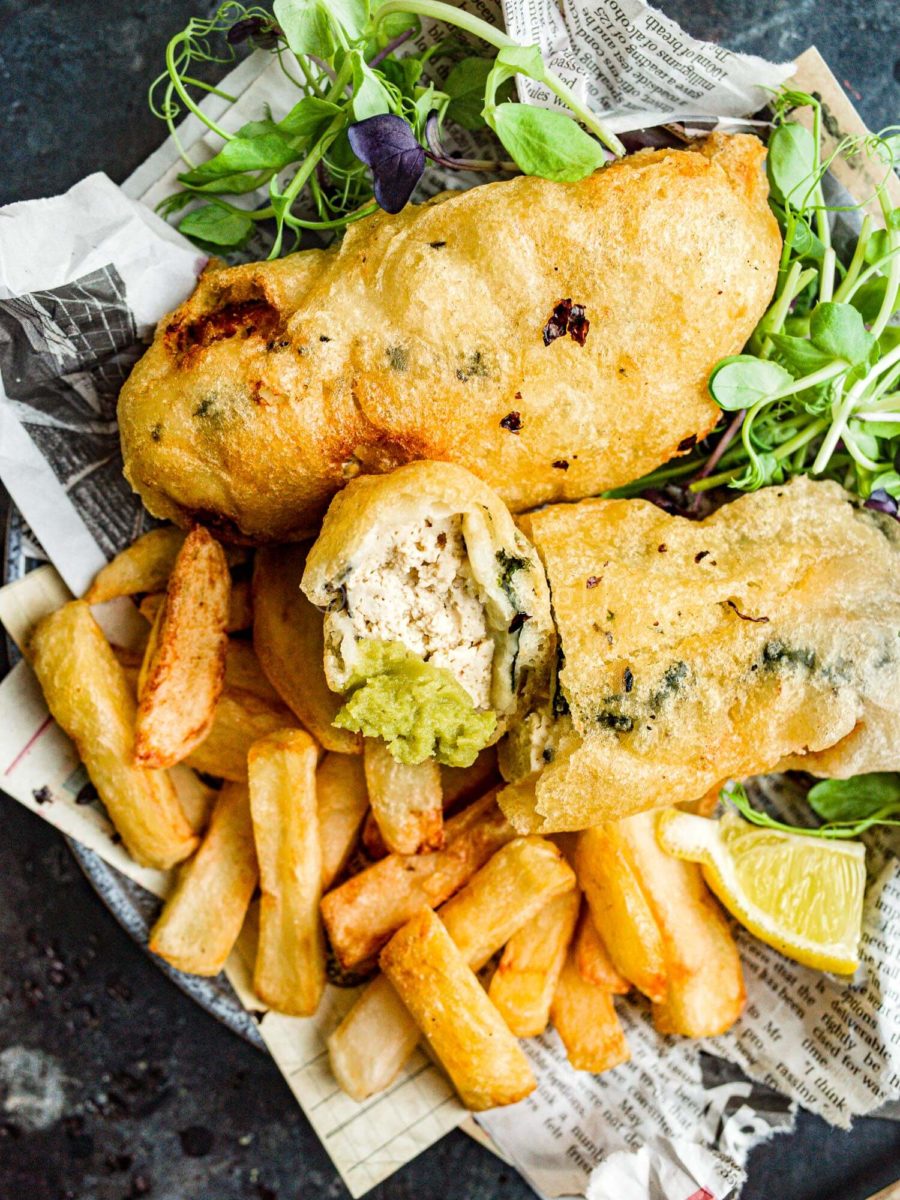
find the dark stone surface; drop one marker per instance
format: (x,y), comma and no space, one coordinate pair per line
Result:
(144,1094)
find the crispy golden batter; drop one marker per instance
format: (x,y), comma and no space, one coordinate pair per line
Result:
(422,333)
(695,651)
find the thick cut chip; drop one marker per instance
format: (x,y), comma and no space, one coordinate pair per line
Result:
(705,993)
(242,717)
(88,693)
(511,888)
(290,958)
(593,959)
(428,334)
(288,637)
(511,891)
(524,984)
(620,908)
(406,800)
(144,566)
(459,785)
(184,664)
(362,913)
(700,650)
(585,1019)
(202,918)
(462,1027)
(342,803)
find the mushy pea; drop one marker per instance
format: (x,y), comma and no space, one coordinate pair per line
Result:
(420,710)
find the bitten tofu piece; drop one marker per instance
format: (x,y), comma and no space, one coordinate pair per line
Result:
(437,616)
(419,590)
(461,1025)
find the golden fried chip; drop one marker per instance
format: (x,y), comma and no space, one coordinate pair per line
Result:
(462,1027)
(406,800)
(288,638)
(525,981)
(88,693)
(362,913)
(202,917)
(586,1020)
(184,664)
(290,960)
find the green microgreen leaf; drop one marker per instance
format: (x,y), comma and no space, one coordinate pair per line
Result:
(465,85)
(855,799)
(370,99)
(839,330)
(523,60)
(265,150)
(888,481)
(221,185)
(877,246)
(216,226)
(544,142)
(393,25)
(743,380)
(736,794)
(306,118)
(307,26)
(869,297)
(353,15)
(798,355)
(790,163)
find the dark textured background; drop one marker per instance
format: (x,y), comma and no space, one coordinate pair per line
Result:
(157,1099)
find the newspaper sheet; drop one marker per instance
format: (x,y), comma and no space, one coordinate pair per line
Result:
(83,277)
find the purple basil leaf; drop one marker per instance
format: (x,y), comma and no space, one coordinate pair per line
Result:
(262,30)
(882,501)
(387,144)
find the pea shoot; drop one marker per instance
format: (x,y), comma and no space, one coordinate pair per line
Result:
(817,390)
(368,118)
(847,807)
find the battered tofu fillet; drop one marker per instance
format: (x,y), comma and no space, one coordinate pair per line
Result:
(426,334)
(437,626)
(761,638)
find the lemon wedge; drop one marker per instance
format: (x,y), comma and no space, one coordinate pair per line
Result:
(802,895)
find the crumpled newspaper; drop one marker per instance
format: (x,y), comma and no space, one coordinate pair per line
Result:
(83,277)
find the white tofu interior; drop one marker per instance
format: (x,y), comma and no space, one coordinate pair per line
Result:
(419,590)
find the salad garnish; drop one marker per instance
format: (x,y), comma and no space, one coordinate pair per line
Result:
(848,807)
(368,116)
(817,390)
